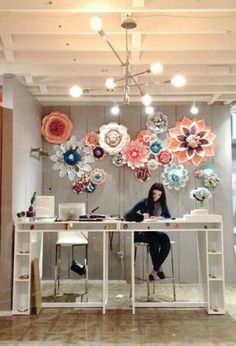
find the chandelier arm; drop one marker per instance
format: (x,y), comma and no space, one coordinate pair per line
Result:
(133,75)
(104,36)
(137,85)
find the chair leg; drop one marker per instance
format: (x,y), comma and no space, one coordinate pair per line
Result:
(56,271)
(147,268)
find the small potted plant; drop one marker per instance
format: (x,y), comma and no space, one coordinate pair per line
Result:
(201,195)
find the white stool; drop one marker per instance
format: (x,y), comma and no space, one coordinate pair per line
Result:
(172,277)
(73,239)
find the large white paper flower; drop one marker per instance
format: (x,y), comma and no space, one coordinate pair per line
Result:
(72,158)
(113,137)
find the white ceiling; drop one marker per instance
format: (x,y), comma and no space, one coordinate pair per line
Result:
(50,46)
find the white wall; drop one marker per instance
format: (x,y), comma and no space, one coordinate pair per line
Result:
(27,171)
(126,190)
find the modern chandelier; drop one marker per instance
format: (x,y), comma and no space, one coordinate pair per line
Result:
(128,80)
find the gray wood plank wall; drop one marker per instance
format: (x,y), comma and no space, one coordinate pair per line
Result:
(122,190)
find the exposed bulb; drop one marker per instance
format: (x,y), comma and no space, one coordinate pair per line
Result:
(156,68)
(96,23)
(178,81)
(146,100)
(110,83)
(149,110)
(194,109)
(76,91)
(115,110)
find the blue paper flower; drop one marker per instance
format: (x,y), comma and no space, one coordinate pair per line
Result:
(175,176)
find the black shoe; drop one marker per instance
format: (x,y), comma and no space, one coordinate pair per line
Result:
(161,275)
(154,275)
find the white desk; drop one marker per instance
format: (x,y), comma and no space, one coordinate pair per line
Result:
(209,231)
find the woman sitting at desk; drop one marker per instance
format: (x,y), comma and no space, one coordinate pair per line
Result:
(152,206)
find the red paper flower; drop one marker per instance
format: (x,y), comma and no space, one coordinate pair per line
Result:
(56,127)
(142,174)
(165,157)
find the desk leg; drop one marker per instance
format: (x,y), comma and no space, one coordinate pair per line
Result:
(105,273)
(132,274)
(203,265)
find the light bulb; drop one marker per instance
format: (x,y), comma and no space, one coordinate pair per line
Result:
(146,100)
(76,91)
(194,109)
(115,110)
(110,83)
(96,23)
(149,110)
(178,80)
(156,68)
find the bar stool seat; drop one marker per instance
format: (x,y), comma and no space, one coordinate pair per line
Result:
(73,239)
(145,246)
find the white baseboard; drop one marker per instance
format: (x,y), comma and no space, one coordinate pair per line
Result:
(5,313)
(81,281)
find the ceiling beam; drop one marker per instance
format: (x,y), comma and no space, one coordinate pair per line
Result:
(43,89)
(214,99)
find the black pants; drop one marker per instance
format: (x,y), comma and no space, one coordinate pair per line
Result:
(159,244)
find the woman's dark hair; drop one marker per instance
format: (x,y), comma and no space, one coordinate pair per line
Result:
(162,200)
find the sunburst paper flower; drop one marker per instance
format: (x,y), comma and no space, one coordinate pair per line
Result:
(175,176)
(56,127)
(191,141)
(157,122)
(72,158)
(135,154)
(145,136)
(113,137)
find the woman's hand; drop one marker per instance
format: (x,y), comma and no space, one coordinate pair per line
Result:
(146,216)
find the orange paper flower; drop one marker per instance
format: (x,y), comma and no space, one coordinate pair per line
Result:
(145,136)
(192,141)
(56,127)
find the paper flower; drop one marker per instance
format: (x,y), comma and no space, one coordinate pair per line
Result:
(80,184)
(117,160)
(191,140)
(98,176)
(142,174)
(157,123)
(201,194)
(156,145)
(113,137)
(90,187)
(135,154)
(98,153)
(56,127)
(145,136)
(209,177)
(164,157)
(72,158)
(175,176)
(152,164)
(91,140)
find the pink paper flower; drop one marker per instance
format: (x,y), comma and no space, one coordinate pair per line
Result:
(192,141)
(91,140)
(145,136)
(56,127)
(98,176)
(165,157)
(135,154)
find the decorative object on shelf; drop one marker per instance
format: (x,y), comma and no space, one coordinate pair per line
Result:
(135,154)
(156,145)
(113,137)
(31,211)
(201,195)
(209,177)
(145,136)
(117,160)
(142,173)
(191,141)
(98,176)
(164,157)
(91,139)
(72,158)
(129,80)
(56,127)
(175,176)
(157,123)
(98,153)
(39,152)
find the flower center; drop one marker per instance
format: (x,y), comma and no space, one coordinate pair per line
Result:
(175,177)
(72,157)
(193,141)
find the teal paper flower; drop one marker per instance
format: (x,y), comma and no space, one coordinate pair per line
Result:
(175,176)
(156,145)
